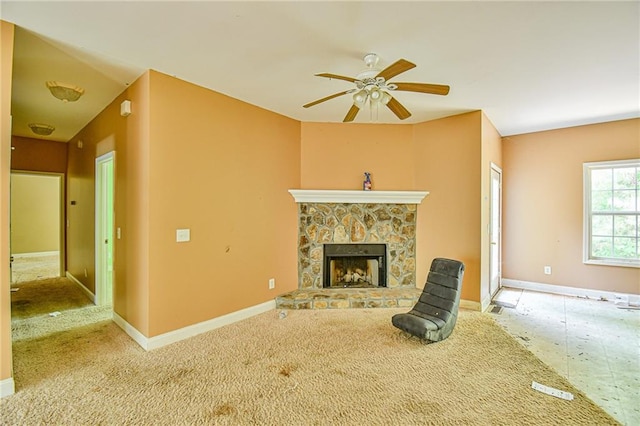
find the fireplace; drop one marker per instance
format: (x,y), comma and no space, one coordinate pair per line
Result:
(364,218)
(355,266)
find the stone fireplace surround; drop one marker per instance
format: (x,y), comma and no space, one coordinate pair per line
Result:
(344,217)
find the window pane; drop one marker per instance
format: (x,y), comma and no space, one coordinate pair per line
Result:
(625,226)
(602,179)
(612,207)
(602,247)
(602,201)
(624,200)
(624,247)
(624,178)
(602,225)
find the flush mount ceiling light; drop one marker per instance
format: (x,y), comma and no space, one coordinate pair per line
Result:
(65,92)
(41,129)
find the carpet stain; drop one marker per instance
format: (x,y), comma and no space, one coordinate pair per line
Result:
(287,369)
(224,410)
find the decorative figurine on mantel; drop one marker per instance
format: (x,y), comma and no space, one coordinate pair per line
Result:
(366,185)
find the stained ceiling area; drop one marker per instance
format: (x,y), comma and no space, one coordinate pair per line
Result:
(529,65)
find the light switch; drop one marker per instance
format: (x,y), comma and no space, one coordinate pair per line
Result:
(183,235)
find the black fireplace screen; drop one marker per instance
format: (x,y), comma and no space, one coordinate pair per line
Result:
(355,265)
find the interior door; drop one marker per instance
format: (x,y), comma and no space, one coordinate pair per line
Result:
(494,231)
(104,228)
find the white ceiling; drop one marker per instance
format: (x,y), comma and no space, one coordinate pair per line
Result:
(528,65)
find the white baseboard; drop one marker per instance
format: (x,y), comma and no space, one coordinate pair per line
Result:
(35,254)
(138,337)
(470,305)
(630,299)
(150,343)
(85,290)
(7,387)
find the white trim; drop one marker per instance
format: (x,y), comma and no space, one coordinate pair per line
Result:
(486,301)
(613,262)
(138,337)
(632,299)
(85,290)
(151,343)
(7,387)
(587,213)
(470,305)
(340,196)
(35,254)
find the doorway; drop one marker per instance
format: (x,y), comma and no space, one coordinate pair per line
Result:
(495,224)
(36,226)
(105,216)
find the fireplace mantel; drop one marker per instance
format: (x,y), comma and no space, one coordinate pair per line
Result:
(368,197)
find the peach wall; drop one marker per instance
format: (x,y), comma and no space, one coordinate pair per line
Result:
(6,70)
(440,156)
(447,164)
(38,155)
(543,204)
(336,155)
(128,136)
(221,168)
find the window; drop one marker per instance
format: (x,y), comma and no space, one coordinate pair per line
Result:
(612,213)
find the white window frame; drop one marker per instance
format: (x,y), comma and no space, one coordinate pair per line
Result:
(587,258)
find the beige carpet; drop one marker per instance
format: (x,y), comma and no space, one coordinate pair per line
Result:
(338,367)
(35,267)
(44,296)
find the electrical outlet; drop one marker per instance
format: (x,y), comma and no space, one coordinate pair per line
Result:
(547,270)
(272,283)
(183,235)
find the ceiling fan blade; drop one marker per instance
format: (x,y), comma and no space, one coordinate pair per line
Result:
(396,107)
(337,77)
(351,114)
(434,89)
(398,67)
(335,95)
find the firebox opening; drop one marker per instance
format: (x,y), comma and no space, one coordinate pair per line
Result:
(355,265)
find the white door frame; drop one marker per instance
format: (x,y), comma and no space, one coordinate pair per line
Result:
(104,231)
(495,231)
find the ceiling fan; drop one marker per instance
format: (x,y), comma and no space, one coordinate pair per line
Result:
(372,85)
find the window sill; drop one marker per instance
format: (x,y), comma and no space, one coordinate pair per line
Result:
(611,262)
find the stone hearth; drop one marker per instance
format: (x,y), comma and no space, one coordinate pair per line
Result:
(358,217)
(349,298)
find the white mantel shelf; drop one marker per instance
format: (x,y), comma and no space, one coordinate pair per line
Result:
(369,197)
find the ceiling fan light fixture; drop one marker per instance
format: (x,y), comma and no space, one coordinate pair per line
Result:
(375,94)
(360,97)
(41,129)
(65,92)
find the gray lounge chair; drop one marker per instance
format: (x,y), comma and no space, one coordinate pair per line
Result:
(434,315)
